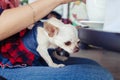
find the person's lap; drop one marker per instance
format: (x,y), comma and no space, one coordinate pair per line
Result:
(75,69)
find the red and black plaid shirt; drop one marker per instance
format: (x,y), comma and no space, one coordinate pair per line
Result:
(14,50)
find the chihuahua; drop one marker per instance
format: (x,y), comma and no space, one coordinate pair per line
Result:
(56,34)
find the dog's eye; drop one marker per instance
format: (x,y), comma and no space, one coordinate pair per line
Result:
(68,43)
(78,42)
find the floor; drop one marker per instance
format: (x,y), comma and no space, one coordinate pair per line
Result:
(108,59)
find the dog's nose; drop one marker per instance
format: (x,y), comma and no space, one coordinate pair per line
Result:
(76,49)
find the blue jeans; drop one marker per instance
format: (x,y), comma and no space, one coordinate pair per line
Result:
(75,69)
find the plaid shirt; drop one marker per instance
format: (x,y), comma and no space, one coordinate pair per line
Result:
(13,51)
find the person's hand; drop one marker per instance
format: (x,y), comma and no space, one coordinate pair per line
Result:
(66,1)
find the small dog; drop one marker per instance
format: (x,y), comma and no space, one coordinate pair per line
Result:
(56,34)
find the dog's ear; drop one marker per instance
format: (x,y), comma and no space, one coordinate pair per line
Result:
(50,29)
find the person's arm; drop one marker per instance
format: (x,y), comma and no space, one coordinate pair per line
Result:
(17,19)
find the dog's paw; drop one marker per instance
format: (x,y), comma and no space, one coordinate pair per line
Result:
(54,65)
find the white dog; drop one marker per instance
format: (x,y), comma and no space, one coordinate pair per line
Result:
(56,34)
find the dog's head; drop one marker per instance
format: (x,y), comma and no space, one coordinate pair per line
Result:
(63,35)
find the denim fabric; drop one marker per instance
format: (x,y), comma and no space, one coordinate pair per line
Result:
(29,40)
(1,10)
(79,69)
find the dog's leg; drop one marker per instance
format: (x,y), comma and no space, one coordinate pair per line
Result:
(44,54)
